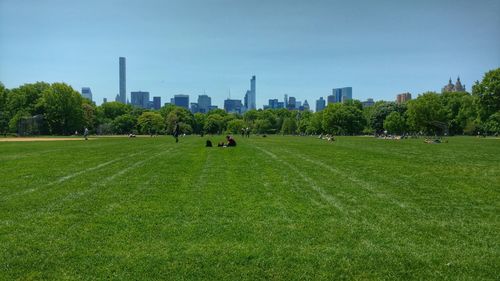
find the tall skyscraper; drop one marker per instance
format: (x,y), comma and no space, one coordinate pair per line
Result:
(402,98)
(123,81)
(87,93)
(181,100)
(250,96)
(341,94)
(320,104)
(285,101)
(204,103)
(156,103)
(140,99)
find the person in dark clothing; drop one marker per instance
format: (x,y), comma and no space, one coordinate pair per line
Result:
(176,132)
(208,144)
(230,141)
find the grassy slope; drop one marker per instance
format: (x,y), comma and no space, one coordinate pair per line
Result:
(274,208)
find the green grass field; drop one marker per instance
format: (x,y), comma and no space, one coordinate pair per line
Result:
(279,208)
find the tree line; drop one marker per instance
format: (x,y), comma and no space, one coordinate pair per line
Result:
(57,109)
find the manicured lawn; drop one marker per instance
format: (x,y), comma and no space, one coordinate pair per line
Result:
(280,208)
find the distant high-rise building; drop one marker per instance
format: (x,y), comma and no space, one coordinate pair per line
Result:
(140,99)
(369,102)
(320,104)
(232,106)
(204,103)
(156,103)
(402,98)
(273,104)
(87,93)
(194,107)
(291,103)
(252,95)
(285,101)
(212,107)
(341,94)
(306,105)
(298,104)
(104,100)
(123,81)
(454,88)
(181,100)
(117,98)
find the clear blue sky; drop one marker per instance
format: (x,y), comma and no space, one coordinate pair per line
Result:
(302,48)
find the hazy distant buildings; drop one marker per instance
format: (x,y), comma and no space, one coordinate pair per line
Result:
(320,104)
(181,100)
(87,93)
(402,98)
(123,81)
(156,103)
(285,101)
(204,103)
(369,102)
(454,88)
(104,100)
(232,106)
(140,99)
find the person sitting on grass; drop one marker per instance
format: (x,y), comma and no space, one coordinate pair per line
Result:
(230,141)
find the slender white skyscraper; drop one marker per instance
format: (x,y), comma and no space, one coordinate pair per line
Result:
(250,96)
(123,81)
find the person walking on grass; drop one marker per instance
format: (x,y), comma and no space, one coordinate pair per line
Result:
(176,132)
(86,133)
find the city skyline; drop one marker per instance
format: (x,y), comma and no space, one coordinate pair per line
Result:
(301,49)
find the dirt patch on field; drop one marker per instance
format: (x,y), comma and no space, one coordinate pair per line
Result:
(40,139)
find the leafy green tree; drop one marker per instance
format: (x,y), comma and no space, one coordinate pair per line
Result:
(199,123)
(62,108)
(235,126)
(376,114)
(111,110)
(395,123)
(177,115)
(341,118)
(263,126)
(4,113)
(89,115)
(214,124)
(150,123)
(427,114)
(492,125)
(487,94)
(315,123)
(27,98)
(289,126)
(126,123)
(459,110)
